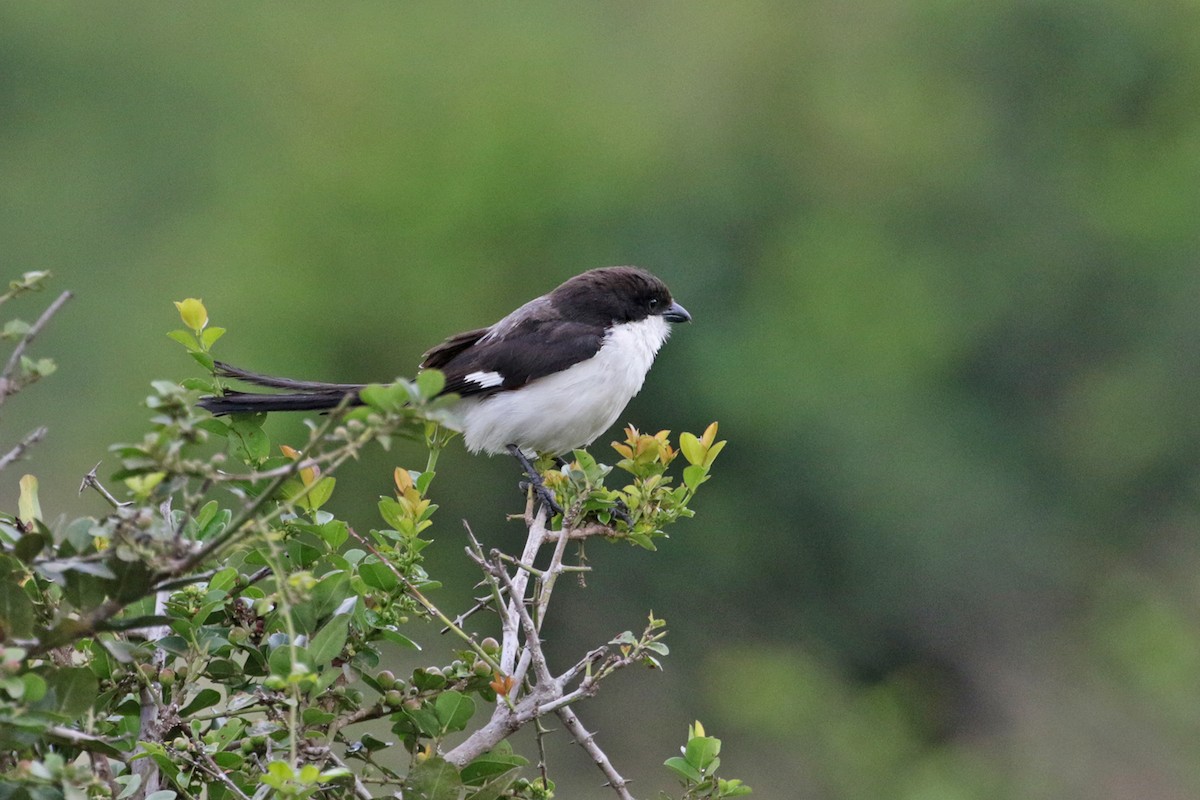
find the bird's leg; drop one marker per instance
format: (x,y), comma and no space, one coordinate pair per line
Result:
(543,494)
(621,511)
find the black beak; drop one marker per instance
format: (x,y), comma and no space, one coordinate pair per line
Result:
(677,313)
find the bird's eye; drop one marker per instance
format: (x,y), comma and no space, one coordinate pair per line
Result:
(652,303)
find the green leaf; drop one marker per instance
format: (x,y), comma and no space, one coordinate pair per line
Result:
(378,576)
(133,579)
(206,698)
(223,736)
(491,764)
(433,779)
(15,329)
(701,750)
(392,512)
(214,426)
(495,788)
(253,445)
(184,338)
(427,681)
(197,385)
(319,494)
(29,510)
(732,788)
(329,641)
(35,687)
(131,783)
(228,760)
(454,710)
(315,717)
(204,360)
(430,383)
(713,452)
(223,581)
(329,593)
(384,398)
(29,546)
(72,690)
(685,771)
(334,533)
(210,336)
(371,743)
(642,540)
(425,720)
(221,669)
(397,638)
(16,610)
(691,447)
(694,475)
(162,794)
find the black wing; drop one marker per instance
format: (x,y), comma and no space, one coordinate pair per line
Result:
(518,350)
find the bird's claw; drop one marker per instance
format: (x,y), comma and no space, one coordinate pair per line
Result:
(621,511)
(543,494)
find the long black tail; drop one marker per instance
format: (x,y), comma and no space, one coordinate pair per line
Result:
(300,395)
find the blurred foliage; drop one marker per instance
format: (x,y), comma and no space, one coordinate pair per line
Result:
(218,635)
(941,258)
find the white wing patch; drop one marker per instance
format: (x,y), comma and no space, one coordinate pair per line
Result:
(485,380)
(566,409)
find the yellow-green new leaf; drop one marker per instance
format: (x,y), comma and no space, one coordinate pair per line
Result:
(29,509)
(693,451)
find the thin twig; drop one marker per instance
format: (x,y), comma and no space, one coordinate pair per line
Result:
(588,742)
(480,604)
(90,481)
(541,731)
(425,602)
(18,451)
(516,592)
(360,791)
(248,511)
(546,585)
(533,645)
(585,532)
(6,382)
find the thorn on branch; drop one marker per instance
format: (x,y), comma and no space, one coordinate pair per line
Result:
(91,481)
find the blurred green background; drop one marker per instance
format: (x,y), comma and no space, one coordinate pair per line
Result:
(942,260)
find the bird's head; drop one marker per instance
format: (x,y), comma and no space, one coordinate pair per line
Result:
(617,294)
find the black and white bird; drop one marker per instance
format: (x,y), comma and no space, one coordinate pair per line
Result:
(549,377)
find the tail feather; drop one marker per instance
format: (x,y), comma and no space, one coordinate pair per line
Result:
(303,395)
(224,370)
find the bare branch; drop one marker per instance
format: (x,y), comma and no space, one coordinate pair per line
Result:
(91,481)
(7,386)
(18,451)
(585,532)
(510,619)
(588,742)
(533,645)
(546,585)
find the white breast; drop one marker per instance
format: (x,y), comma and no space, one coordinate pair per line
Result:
(569,409)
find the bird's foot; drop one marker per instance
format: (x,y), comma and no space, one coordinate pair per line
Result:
(621,511)
(544,495)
